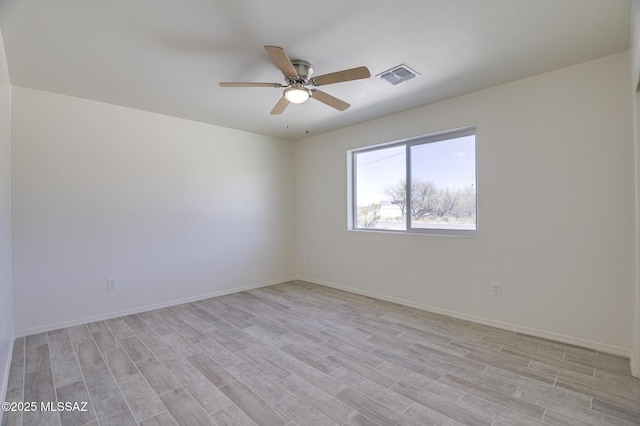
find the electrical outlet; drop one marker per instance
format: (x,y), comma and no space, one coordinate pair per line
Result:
(496,289)
(112,283)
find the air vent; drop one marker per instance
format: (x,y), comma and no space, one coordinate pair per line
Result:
(399,74)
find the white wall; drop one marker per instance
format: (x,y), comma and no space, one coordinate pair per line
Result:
(173,209)
(556,200)
(6,297)
(635,95)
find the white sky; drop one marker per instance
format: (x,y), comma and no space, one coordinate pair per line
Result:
(449,163)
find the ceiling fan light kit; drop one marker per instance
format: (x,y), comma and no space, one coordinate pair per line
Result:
(297,94)
(297,75)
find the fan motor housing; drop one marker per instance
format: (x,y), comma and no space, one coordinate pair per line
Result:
(303,68)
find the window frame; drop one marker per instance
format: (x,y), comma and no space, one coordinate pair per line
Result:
(352,192)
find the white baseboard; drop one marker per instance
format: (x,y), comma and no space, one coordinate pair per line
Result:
(585,343)
(139,309)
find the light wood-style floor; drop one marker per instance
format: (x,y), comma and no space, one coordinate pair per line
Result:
(303,354)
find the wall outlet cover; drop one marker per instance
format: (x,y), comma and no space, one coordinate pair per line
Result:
(112,283)
(496,289)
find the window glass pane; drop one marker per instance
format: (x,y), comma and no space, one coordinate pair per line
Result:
(380,188)
(443,184)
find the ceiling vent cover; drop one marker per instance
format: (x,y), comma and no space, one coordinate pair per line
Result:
(399,74)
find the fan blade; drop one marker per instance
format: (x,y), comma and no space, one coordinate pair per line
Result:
(280,106)
(241,84)
(282,61)
(340,76)
(326,98)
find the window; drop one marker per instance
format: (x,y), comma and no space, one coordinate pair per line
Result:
(422,185)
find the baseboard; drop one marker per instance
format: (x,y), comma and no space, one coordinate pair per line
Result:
(139,309)
(602,347)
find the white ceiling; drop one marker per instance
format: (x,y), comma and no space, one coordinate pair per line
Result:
(167,56)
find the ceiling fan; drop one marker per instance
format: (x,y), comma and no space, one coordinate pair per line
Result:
(297,75)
